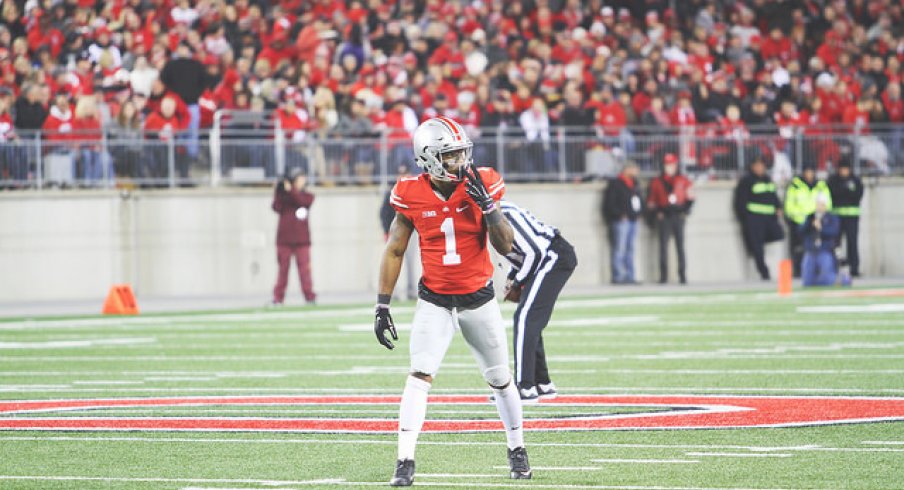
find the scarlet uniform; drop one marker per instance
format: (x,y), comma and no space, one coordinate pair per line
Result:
(454,253)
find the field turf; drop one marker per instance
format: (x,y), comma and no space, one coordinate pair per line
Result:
(722,344)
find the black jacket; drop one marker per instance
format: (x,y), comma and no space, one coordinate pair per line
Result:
(755,190)
(185,77)
(845,192)
(28,115)
(621,201)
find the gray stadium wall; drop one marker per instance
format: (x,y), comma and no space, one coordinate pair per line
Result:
(66,245)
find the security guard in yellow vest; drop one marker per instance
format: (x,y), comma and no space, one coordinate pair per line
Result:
(800,202)
(756,206)
(847,192)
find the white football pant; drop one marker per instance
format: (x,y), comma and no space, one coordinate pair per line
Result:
(483,329)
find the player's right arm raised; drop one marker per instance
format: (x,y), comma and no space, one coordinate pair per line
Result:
(499,229)
(390,267)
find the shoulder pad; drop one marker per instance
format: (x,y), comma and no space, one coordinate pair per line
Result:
(493,182)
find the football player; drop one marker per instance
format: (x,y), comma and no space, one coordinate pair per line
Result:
(453,207)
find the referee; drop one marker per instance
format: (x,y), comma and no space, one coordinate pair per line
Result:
(542,261)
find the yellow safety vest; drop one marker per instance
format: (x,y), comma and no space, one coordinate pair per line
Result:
(800,199)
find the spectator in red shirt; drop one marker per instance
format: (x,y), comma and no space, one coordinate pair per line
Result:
(894,105)
(669,200)
(856,116)
(292,202)
(440,107)
(612,121)
(58,125)
(450,55)
(610,116)
(87,132)
(294,122)
(160,128)
(278,51)
(13,159)
(778,46)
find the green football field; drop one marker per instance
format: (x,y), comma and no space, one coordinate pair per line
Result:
(810,388)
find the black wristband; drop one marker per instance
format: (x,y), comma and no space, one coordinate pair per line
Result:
(493,218)
(384,299)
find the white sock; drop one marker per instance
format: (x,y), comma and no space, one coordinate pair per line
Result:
(412,412)
(508,403)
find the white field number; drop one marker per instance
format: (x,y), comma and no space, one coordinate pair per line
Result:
(451,257)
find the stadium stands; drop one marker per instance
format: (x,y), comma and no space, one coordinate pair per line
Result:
(549,90)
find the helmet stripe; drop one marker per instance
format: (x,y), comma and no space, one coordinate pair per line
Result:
(451,125)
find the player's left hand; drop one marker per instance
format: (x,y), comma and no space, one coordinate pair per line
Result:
(383,323)
(476,189)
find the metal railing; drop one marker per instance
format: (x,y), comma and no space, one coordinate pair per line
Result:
(232,155)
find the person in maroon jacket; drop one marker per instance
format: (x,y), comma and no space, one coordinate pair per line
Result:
(292,201)
(669,200)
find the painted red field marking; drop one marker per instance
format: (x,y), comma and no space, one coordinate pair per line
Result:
(685,412)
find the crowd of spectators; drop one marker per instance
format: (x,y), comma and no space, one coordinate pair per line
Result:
(159,69)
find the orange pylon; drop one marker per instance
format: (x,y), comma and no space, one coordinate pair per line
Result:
(120,301)
(785,277)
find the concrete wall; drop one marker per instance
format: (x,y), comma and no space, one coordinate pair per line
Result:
(59,245)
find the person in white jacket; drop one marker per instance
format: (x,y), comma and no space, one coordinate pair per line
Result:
(539,160)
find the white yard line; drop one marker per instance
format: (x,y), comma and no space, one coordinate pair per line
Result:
(69,344)
(646,461)
(873,308)
(559,468)
(885,443)
(742,455)
(389,440)
(110,382)
(341,482)
(606,390)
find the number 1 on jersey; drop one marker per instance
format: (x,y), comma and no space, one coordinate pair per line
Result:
(448,228)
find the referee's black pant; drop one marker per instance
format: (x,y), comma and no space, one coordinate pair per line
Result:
(538,297)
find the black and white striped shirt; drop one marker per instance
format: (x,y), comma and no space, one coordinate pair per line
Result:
(532,240)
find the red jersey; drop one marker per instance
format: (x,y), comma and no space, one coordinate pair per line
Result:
(454,252)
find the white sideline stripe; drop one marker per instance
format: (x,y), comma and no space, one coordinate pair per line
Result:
(889,443)
(392,442)
(558,468)
(99,382)
(248,488)
(873,308)
(645,461)
(595,322)
(338,482)
(67,344)
(660,390)
(271,483)
(742,455)
(719,354)
(178,329)
(368,327)
(355,370)
(220,318)
(252,410)
(457,475)
(180,378)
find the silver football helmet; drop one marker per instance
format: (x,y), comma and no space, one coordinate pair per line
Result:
(438,136)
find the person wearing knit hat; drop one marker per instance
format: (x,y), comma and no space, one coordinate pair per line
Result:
(846,190)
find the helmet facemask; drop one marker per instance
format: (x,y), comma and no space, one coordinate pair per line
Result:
(460,158)
(435,143)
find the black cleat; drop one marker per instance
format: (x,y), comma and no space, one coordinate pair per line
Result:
(404,473)
(518,463)
(547,391)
